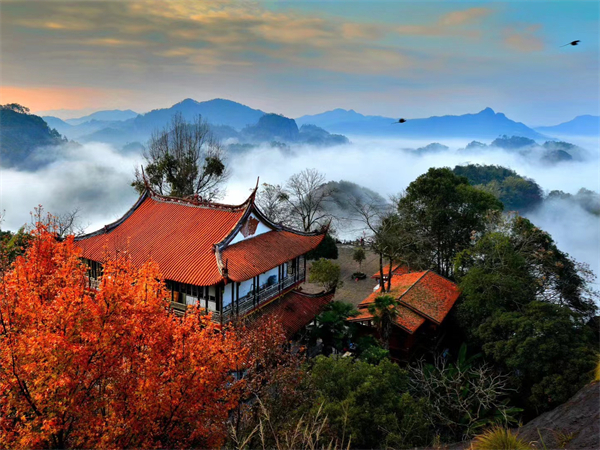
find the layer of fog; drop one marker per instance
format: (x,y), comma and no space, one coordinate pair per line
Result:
(381,166)
(96,179)
(575,230)
(93,178)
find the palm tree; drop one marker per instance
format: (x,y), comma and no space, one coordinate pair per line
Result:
(384,314)
(331,325)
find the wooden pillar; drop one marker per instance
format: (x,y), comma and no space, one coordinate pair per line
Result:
(237,295)
(304,257)
(257,288)
(219,300)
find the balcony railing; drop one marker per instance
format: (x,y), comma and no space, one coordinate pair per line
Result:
(92,283)
(254,299)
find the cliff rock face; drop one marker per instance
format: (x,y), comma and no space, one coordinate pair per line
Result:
(573,425)
(314,135)
(273,127)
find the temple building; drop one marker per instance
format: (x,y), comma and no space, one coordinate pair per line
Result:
(424,300)
(229,259)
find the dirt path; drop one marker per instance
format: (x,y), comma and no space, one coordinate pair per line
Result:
(352,291)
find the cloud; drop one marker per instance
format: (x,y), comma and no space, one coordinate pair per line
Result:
(524,40)
(195,34)
(463,17)
(110,42)
(575,230)
(152,54)
(454,23)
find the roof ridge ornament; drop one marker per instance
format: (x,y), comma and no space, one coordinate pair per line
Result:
(252,197)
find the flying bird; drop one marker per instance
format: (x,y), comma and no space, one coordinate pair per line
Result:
(399,121)
(571,43)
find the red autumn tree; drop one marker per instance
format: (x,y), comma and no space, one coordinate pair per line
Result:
(108,369)
(273,376)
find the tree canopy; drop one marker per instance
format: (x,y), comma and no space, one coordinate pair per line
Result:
(326,249)
(526,304)
(110,368)
(300,202)
(369,403)
(325,273)
(517,193)
(183,160)
(443,211)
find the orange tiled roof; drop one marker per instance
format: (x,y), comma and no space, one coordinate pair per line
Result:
(422,295)
(181,236)
(400,269)
(178,236)
(432,297)
(400,284)
(251,257)
(296,310)
(407,319)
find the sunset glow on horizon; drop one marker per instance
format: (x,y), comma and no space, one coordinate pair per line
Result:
(296,58)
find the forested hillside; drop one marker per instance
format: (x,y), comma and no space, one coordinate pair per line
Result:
(517,193)
(20,134)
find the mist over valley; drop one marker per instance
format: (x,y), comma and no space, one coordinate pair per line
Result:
(95,177)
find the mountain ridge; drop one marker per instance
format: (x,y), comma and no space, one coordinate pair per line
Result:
(486,124)
(584,125)
(110,115)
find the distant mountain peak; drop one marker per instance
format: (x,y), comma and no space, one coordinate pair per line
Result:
(187,101)
(488,110)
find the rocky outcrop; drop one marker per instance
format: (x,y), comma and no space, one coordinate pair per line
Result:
(573,425)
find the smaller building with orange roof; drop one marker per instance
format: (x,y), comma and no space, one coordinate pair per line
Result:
(424,300)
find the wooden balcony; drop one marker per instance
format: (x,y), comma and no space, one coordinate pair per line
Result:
(252,300)
(92,283)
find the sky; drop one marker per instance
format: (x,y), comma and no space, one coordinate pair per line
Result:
(392,58)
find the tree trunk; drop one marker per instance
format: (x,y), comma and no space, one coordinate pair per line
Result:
(381,281)
(389,287)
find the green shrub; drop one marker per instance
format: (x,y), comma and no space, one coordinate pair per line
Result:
(325,273)
(369,404)
(326,249)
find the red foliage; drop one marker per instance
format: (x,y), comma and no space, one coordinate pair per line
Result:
(273,372)
(109,369)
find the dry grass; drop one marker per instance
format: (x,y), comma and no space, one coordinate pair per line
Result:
(351,291)
(499,439)
(305,434)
